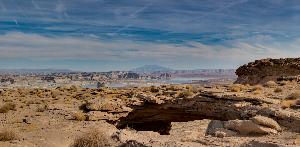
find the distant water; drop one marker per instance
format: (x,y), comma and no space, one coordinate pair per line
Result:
(141,83)
(186,80)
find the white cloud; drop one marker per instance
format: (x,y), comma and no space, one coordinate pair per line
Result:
(33,46)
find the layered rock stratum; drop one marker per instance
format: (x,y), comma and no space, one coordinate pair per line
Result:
(262,71)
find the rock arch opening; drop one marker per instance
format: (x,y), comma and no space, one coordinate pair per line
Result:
(158,117)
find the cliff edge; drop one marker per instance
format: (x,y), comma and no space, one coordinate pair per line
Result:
(262,71)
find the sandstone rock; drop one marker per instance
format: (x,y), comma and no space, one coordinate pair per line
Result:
(262,71)
(222,132)
(247,127)
(265,121)
(213,126)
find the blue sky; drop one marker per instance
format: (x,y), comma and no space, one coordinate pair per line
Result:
(101,35)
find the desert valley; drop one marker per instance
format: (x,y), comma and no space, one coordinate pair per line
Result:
(261,108)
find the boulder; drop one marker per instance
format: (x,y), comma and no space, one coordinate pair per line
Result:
(222,132)
(248,127)
(213,126)
(265,121)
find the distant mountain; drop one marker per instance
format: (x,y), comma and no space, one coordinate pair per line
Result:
(151,68)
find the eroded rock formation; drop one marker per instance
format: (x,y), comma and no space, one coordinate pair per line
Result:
(262,71)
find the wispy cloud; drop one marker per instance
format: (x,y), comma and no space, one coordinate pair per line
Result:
(32,46)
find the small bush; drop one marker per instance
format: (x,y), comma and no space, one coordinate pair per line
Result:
(236,88)
(6,107)
(282,83)
(288,103)
(278,90)
(256,88)
(79,116)
(8,136)
(294,96)
(92,139)
(270,84)
(184,94)
(42,108)
(188,87)
(154,89)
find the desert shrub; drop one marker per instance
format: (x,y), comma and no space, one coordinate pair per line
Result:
(288,103)
(130,94)
(293,96)
(92,139)
(79,116)
(256,88)
(172,88)
(277,90)
(270,84)
(6,107)
(42,108)
(8,135)
(189,87)
(154,89)
(236,88)
(184,94)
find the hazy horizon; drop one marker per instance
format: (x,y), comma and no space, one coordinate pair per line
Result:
(103,35)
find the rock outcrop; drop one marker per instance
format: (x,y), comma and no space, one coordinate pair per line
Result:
(262,71)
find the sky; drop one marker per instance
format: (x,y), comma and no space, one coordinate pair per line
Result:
(103,35)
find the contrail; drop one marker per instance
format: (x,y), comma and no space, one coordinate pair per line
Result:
(225,7)
(134,14)
(36,6)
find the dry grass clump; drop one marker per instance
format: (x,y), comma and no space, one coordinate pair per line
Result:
(292,100)
(92,139)
(154,89)
(8,135)
(294,96)
(256,88)
(288,103)
(130,94)
(172,88)
(79,116)
(6,107)
(270,84)
(278,90)
(184,94)
(236,88)
(282,83)
(42,108)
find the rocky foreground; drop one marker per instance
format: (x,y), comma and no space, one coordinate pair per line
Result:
(178,115)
